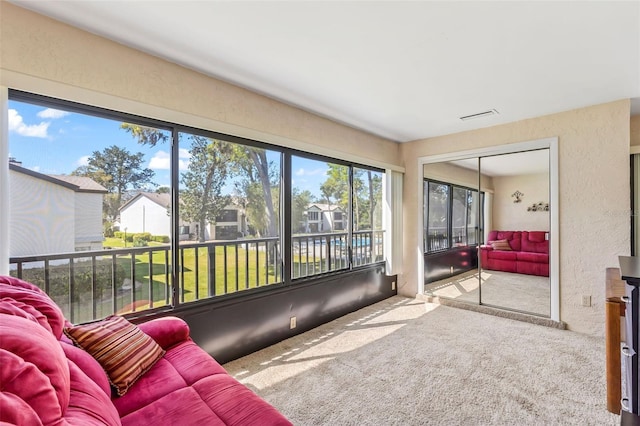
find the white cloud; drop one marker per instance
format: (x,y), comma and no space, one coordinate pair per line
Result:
(304,172)
(17,124)
(162,160)
(183,153)
(52,113)
(36,168)
(83,161)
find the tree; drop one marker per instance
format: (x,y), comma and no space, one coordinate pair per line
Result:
(202,199)
(257,186)
(336,186)
(299,203)
(118,171)
(145,135)
(375,194)
(248,161)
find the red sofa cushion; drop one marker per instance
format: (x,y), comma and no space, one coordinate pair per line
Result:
(503,255)
(512,236)
(534,241)
(31,303)
(532,257)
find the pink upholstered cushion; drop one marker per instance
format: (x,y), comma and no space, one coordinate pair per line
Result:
(503,255)
(535,242)
(89,366)
(500,245)
(34,371)
(512,236)
(167,331)
(88,404)
(181,366)
(526,256)
(33,303)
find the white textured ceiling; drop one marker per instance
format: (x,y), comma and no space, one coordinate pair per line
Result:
(401,70)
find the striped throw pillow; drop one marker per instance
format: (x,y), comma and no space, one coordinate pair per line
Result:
(500,245)
(123,350)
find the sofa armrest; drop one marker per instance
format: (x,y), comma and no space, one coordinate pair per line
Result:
(167,331)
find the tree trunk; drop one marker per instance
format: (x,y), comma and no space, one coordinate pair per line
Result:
(260,160)
(202,224)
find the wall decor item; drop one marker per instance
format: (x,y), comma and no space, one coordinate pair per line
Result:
(540,207)
(518,195)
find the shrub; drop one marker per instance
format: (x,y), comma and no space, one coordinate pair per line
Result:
(145,236)
(140,241)
(83,273)
(160,238)
(108,230)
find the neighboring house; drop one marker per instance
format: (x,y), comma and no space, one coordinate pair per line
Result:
(231,224)
(325,218)
(53,214)
(148,212)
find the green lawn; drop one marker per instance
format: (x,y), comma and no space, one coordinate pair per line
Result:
(245,269)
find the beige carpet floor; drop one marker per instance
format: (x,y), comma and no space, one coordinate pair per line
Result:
(527,293)
(407,362)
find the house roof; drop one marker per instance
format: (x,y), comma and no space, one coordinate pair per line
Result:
(74,183)
(163,200)
(325,207)
(82,182)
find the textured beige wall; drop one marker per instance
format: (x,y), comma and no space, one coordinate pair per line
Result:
(593,145)
(510,216)
(635,130)
(72,64)
(452,173)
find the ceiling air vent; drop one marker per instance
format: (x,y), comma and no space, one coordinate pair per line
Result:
(480,115)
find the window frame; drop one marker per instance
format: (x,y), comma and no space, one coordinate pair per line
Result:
(285,199)
(450,204)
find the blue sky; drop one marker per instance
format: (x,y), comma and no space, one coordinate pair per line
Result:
(57,142)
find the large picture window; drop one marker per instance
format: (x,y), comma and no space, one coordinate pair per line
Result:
(113,213)
(451,216)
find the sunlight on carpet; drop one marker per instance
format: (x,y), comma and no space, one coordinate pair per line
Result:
(407,362)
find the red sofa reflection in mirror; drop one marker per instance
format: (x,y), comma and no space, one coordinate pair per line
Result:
(527,252)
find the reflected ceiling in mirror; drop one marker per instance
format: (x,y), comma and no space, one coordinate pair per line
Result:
(519,163)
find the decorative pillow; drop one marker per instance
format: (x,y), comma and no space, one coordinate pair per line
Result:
(123,350)
(500,245)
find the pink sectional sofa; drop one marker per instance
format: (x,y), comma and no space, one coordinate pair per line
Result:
(47,380)
(528,252)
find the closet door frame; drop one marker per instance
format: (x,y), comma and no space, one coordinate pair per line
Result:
(554,243)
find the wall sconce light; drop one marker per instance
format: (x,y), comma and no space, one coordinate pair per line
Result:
(518,196)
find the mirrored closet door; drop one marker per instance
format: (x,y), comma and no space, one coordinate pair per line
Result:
(514,257)
(486,231)
(452,203)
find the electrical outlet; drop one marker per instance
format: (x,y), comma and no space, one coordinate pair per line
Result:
(586,301)
(292,323)
(393,285)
